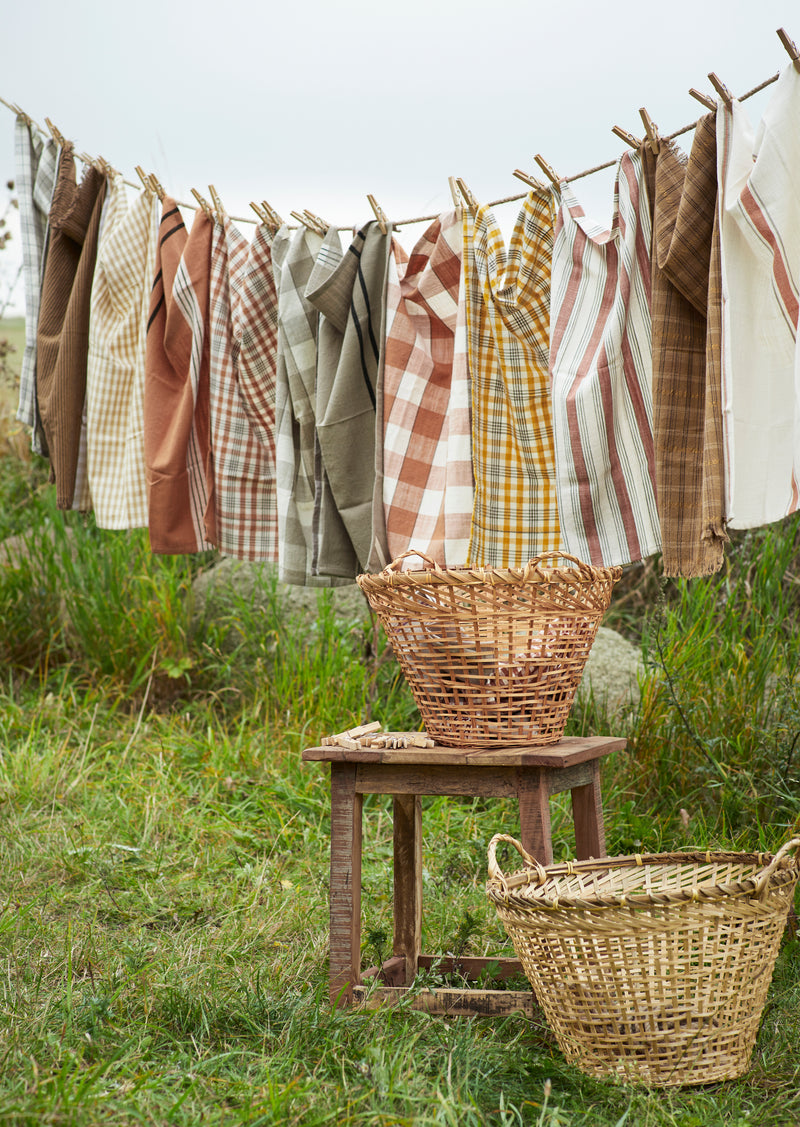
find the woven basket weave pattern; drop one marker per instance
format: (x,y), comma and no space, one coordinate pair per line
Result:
(493,657)
(654,970)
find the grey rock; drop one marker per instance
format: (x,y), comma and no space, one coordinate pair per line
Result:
(612,671)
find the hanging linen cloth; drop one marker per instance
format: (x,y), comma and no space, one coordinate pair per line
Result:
(428,489)
(176,385)
(683,199)
(36,162)
(515,514)
(292,261)
(601,367)
(351,298)
(760,243)
(63,331)
(242,471)
(123,277)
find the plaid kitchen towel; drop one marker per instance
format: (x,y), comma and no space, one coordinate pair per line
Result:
(683,198)
(515,515)
(36,163)
(427,463)
(601,368)
(760,256)
(63,331)
(295,422)
(351,297)
(242,471)
(176,385)
(116,371)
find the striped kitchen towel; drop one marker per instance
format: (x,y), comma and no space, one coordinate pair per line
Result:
(427,463)
(123,278)
(515,514)
(351,297)
(36,160)
(760,255)
(601,370)
(176,385)
(683,198)
(62,341)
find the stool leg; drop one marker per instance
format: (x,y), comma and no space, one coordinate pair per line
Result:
(345,885)
(534,814)
(407,814)
(587,812)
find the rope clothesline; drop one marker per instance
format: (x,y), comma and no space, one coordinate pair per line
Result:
(419,218)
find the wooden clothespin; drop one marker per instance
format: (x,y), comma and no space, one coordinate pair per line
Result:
(21,113)
(262,218)
(146,180)
(458,202)
(272,215)
(305,221)
(703,99)
(56,134)
(202,203)
(156,184)
(531,181)
(217,202)
(320,225)
(721,89)
(627,137)
(471,202)
(651,131)
(791,47)
(549,172)
(379,214)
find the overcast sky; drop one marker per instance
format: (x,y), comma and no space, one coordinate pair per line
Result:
(313,104)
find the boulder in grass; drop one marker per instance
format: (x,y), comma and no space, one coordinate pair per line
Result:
(612,671)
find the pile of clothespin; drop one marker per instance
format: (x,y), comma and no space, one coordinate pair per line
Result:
(372,735)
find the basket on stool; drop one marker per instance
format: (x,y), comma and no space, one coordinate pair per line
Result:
(651,968)
(493,656)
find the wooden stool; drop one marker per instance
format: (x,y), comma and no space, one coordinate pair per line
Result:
(530,775)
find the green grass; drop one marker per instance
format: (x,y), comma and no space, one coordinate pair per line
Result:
(164,851)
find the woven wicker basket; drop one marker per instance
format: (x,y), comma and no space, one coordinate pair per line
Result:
(651,968)
(493,657)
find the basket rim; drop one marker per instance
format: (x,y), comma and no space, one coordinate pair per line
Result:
(466,575)
(532,886)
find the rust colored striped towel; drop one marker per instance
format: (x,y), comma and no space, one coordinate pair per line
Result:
(515,514)
(601,367)
(427,486)
(683,196)
(176,385)
(760,241)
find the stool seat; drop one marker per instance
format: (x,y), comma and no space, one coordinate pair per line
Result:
(528,774)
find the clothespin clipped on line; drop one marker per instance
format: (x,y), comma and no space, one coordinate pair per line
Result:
(272,215)
(458,202)
(383,222)
(703,99)
(470,200)
(651,131)
(56,134)
(791,47)
(549,172)
(627,137)
(531,181)
(157,188)
(219,210)
(721,89)
(203,204)
(320,224)
(261,215)
(21,113)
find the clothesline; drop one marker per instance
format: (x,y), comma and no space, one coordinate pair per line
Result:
(419,218)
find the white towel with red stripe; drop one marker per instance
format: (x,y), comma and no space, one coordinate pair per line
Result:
(760,249)
(601,373)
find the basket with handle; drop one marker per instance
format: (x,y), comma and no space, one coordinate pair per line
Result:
(654,967)
(493,656)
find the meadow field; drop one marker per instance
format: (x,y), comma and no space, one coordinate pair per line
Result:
(164,851)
